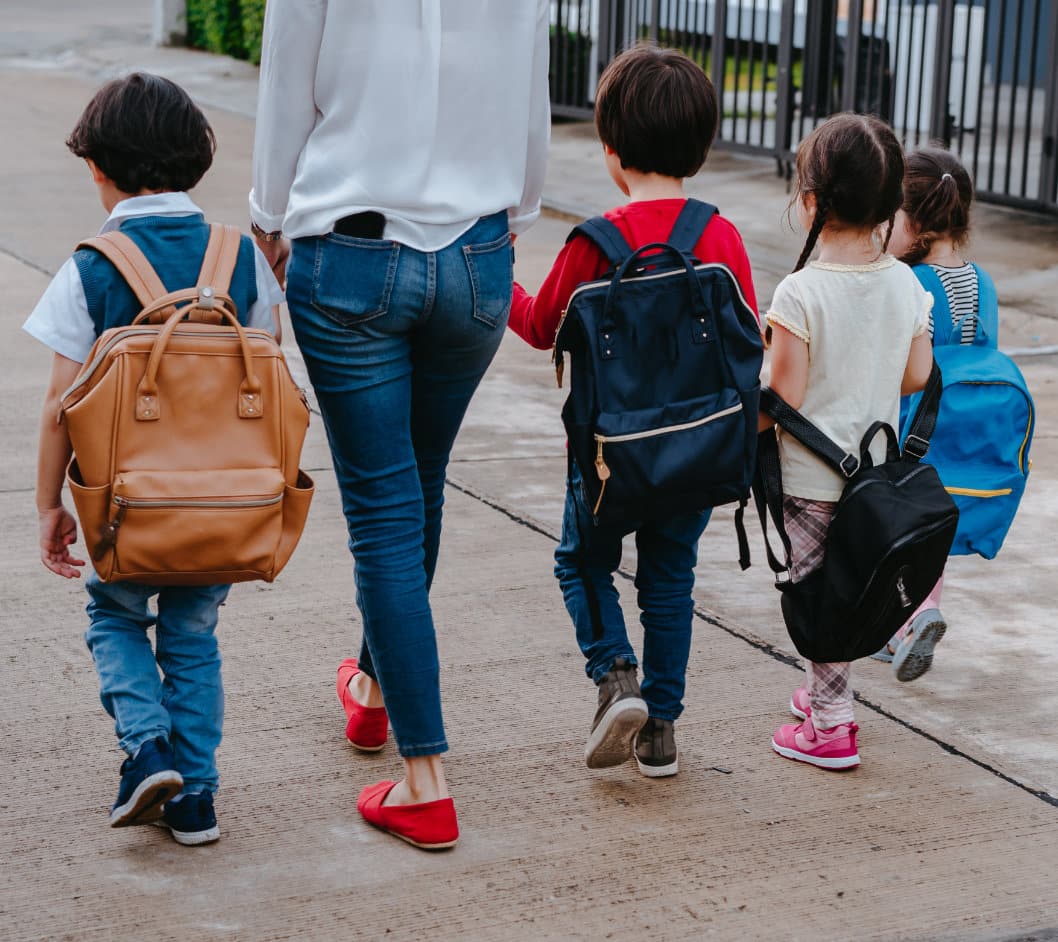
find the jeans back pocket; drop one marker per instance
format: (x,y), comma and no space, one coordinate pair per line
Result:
(491,268)
(353,277)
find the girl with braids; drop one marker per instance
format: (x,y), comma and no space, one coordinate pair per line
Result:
(849,337)
(931,230)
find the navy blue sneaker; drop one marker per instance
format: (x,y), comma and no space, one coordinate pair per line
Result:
(147,782)
(191,819)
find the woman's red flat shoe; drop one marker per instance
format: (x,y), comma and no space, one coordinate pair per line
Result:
(430,825)
(367,727)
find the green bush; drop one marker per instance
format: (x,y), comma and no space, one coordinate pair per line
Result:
(252,27)
(231,27)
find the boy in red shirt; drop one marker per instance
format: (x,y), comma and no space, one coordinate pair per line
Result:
(656,113)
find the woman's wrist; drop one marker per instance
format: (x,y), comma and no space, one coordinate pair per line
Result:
(262,236)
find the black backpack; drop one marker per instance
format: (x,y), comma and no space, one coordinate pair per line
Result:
(887,544)
(665,361)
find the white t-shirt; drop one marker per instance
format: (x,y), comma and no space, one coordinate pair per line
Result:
(858,322)
(432,112)
(61,320)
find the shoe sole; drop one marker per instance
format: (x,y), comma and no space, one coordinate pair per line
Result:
(919,657)
(796,711)
(145,805)
(357,745)
(840,763)
(659,771)
(612,742)
(191,838)
(444,845)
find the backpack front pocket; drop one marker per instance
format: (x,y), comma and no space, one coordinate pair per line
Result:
(187,522)
(986,510)
(657,453)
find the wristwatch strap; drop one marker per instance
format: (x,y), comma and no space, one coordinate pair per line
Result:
(263,236)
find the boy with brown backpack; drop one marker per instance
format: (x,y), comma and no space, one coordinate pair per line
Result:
(146,144)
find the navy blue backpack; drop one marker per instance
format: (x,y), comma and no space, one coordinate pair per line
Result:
(980,447)
(665,376)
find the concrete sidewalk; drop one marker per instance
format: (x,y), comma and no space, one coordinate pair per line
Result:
(948,830)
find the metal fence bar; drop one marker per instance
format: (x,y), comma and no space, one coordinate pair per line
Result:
(1049,164)
(850,76)
(784,81)
(965,78)
(1030,98)
(1015,73)
(940,123)
(943,69)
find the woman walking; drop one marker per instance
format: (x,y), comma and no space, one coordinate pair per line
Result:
(399,145)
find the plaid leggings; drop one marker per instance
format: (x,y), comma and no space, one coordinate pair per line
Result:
(807,522)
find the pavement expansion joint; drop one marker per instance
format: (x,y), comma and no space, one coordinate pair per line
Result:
(764,647)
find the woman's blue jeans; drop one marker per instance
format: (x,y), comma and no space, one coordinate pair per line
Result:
(186,703)
(395,342)
(667,551)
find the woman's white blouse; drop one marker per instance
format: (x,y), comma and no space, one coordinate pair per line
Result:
(432,112)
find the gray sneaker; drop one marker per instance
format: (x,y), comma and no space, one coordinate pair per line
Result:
(621,714)
(656,753)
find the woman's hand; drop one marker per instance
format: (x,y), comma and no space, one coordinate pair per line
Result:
(276,253)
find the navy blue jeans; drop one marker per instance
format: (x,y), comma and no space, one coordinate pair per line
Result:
(395,342)
(667,551)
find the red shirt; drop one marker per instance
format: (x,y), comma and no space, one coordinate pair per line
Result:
(535,320)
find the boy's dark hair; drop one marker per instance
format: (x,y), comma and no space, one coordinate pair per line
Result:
(145,133)
(938,192)
(657,110)
(854,167)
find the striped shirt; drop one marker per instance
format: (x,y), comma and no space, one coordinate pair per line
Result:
(960,285)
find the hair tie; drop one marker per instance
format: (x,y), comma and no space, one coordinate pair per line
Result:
(945,176)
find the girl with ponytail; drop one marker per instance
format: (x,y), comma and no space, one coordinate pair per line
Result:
(849,336)
(931,232)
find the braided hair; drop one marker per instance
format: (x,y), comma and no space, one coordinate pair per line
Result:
(853,166)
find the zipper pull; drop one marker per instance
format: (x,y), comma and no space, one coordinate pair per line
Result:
(601,467)
(603,470)
(109,537)
(560,368)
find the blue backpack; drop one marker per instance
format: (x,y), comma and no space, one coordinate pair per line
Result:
(665,376)
(980,447)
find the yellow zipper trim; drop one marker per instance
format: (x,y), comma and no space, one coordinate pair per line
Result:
(977,492)
(1028,428)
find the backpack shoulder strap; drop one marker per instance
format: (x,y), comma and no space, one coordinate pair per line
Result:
(987,307)
(690,224)
(606,236)
(845,463)
(924,421)
(126,256)
(942,321)
(218,264)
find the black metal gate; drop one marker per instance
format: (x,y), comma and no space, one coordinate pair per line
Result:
(980,76)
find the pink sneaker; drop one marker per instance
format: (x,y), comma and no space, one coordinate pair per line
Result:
(801,703)
(826,748)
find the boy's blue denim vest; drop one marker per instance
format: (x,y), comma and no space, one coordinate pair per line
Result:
(174,245)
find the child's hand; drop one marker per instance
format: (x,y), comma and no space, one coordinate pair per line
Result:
(58,530)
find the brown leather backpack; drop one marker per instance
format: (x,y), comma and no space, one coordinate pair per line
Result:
(187,431)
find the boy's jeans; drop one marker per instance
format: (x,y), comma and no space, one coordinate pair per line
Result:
(395,342)
(667,552)
(186,703)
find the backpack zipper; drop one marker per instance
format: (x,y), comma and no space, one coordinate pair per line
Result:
(979,492)
(87,371)
(111,527)
(603,470)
